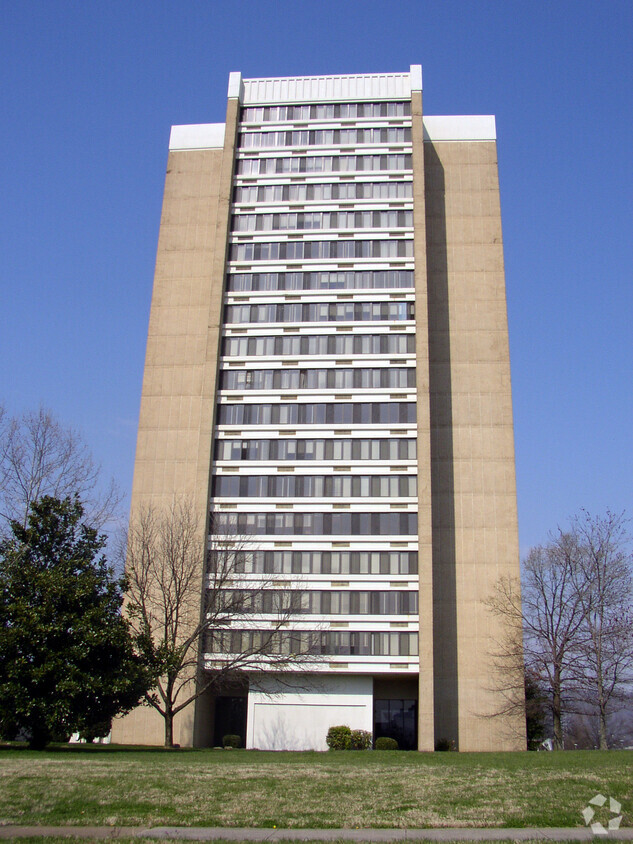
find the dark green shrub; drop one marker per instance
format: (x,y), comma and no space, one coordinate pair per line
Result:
(231,741)
(385,743)
(444,744)
(339,738)
(360,739)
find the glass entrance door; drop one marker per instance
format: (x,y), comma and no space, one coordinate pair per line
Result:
(397,719)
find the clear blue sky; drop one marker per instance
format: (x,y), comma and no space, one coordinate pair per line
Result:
(87,96)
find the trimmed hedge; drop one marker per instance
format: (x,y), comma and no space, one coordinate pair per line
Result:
(231,741)
(361,739)
(385,743)
(339,738)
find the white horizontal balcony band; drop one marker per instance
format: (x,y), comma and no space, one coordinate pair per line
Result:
(308,150)
(365,431)
(406,294)
(353,504)
(301,431)
(314,467)
(383,394)
(358,621)
(375,328)
(277,396)
(325,265)
(325,664)
(358,431)
(323,582)
(302,542)
(308,467)
(290,205)
(299,123)
(302,150)
(254,127)
(305,297)
(320,265)
(307,543)
(334,235)
(268,179)
(309,505)
(308,621)
(324,177)
(321,206)
(307,361)
(317,580)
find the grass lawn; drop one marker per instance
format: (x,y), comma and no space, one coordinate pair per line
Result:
(130,787)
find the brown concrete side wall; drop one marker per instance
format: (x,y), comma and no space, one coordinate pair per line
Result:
(426,729)
(475,530)
(173,453)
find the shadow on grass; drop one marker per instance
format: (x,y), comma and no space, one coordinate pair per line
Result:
(75,749)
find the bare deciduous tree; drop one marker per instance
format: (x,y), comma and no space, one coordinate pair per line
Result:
(38,457)
(167,573)
(576,613)
(605,588)
(549,610)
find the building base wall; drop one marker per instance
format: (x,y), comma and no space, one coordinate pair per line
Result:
(285,718)
(145,726)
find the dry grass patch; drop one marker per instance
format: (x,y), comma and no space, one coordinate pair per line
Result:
(308,790)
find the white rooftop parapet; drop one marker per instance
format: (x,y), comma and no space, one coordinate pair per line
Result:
(197,136)
(467,127)
(415,75)
(236,86)
(351,88)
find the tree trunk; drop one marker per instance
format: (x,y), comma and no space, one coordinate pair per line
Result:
(602,733)
(556,717)
(40,737)
(169,728)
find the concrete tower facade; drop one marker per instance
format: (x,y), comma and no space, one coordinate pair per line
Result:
(327,373)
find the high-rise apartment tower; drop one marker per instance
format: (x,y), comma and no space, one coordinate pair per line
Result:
(328,373)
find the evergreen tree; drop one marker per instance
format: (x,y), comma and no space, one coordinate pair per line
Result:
(67,661)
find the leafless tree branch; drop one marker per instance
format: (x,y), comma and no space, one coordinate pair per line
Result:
(242,620)
(39,456)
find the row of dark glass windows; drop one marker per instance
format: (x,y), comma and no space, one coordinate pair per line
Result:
(332,190)
(325,137)
(313,562)
(322,413)
(319,312)
(387,162)
(314,486)
(317,642)
(324,111)
(316,602)
(297,250)
(345,280)
(315,524)
(338,378)
(311,220)
(394,448)
(319,344)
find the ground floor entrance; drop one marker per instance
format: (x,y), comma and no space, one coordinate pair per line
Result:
(230,719)
(295,712)
(397,718)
